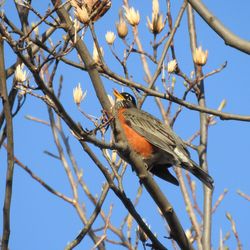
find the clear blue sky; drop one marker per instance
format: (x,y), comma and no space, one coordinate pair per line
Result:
(40,220)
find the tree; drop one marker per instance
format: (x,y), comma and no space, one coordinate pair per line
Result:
(42,62)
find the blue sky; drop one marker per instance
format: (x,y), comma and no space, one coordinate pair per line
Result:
(40,220)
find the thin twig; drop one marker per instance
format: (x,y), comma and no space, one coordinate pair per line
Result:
(234,229)
(247,197)
(219,200)
(189,207)
(40,181)
(90,222)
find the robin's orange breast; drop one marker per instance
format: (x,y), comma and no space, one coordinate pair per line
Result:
(137,142)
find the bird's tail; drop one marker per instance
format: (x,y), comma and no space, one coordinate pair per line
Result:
(199,173)
(162,172)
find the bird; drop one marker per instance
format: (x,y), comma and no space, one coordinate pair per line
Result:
(156,143)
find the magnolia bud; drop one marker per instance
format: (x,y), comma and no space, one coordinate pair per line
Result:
(110,37)
(81,14)
(20,74)
(78,95)
(157,24)
(172,65)
(200,56)
(132,16)
(122,29)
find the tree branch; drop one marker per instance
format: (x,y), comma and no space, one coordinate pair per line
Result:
(229,37)
(90,222)
(10,150)
(166,47)
(122,196)
(170,97)
(202,149)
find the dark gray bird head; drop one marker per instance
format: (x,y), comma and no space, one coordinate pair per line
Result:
(124,100)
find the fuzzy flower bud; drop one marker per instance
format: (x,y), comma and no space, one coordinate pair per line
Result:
(132,15)
(172,65)
(157,24)
(20,74)
(200,56)
(222,105)
(78,95)
(122,29)
(110,37)
(81,14)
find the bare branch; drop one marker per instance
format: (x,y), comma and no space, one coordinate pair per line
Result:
(247,197)
(166,47)
(229,37)
(90,222)
(151,92)
(10,150)
(189,207)
(202,149)
(44,184)
(121,195)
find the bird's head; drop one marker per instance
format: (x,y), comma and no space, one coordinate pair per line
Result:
(124,100)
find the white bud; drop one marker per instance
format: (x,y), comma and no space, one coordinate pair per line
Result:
(78,94)
(110,37)
(20,74)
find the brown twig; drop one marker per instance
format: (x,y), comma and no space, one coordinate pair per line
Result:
(189,207)
(235,232)
(192,186)
(90,222)
(40,181)
(10,150)
(247,197)
(219,200)
(121,195)
(96,203)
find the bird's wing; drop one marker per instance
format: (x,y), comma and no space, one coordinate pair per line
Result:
(154,131)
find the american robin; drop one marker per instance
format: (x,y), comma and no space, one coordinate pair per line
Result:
(157,144)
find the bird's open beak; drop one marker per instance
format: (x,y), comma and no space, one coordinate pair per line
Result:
(117,95)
